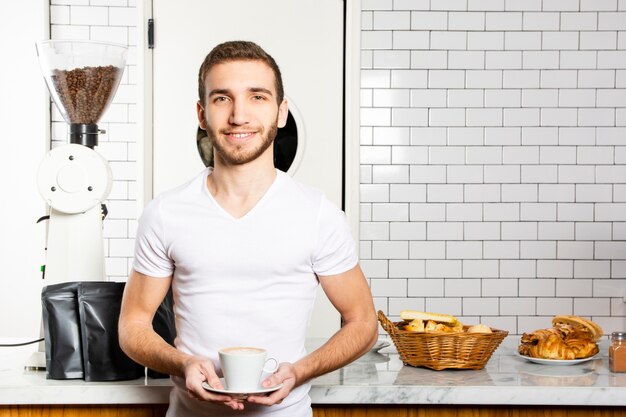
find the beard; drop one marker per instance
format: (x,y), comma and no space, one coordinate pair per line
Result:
(237,154)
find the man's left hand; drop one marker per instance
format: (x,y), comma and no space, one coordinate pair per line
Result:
(284,375)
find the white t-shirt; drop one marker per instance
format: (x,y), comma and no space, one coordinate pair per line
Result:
(249,281)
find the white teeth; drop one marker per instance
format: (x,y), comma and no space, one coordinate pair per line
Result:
(241,135)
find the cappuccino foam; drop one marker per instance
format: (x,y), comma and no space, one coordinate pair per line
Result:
(242,351)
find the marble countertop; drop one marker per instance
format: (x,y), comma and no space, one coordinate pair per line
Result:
(376,378)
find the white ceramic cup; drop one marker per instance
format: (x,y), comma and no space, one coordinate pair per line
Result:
(243,367)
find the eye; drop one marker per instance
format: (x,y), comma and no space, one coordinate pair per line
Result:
(258,97)
(220,99)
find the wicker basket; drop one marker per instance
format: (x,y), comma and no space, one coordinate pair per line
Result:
(443,350)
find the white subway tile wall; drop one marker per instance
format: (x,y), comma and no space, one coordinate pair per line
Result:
(111,21)
(493,159)
(493,154)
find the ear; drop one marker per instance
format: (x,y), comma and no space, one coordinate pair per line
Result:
(283,111)
(201,115)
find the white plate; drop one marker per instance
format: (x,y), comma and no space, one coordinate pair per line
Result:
(258,391)
(380,345)
(558,362)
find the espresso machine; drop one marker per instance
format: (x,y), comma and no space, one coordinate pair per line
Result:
(74,180)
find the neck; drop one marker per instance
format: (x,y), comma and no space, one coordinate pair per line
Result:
(237,188)
(239,179)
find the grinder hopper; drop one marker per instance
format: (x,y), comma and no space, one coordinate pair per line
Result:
(82,77)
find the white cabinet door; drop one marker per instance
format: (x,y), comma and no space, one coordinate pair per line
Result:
(305,38)
(25,138)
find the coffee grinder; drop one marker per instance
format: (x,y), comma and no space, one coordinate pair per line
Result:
(73,179)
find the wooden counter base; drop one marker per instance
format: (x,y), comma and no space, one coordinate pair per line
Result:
(465,411)
(323,411)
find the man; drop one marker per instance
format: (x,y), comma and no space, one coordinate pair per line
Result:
(243,246)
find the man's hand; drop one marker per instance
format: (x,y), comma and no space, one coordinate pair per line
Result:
(285,374)
(199,370)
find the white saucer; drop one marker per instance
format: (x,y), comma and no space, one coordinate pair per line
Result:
(558,362)
(226,391)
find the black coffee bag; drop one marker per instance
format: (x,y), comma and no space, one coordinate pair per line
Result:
(103,360)
(64,357)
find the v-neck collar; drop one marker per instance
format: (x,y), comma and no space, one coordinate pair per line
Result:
(277,179)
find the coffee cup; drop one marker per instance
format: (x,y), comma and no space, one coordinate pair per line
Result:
(243,366)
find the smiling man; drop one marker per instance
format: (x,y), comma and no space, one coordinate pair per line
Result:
(241,119)
(243,246)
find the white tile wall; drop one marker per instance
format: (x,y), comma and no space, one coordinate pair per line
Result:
(112,21)
(493,154)
(511,163)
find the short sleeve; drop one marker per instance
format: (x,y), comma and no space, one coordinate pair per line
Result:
(151,256)
(335,250)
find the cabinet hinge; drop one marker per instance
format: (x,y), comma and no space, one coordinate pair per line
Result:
(150,33)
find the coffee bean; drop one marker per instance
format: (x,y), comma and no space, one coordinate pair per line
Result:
(84,93)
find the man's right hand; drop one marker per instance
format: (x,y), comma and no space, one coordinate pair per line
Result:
(199,370)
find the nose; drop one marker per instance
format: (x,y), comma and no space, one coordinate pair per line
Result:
(239,113)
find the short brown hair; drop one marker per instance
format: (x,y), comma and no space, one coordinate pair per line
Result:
(239,51)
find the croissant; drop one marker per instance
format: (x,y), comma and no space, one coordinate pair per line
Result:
(538,335)
(563,341)
(582,344)
(550,346)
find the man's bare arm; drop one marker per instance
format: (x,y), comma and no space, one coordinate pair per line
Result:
(351,296)
(142,296)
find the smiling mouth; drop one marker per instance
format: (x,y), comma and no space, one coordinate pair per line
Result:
(240,135)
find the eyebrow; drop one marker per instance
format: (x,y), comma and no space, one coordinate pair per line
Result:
(226,91)
(260,90)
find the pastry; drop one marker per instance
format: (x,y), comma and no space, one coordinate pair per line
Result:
(571,337)
(570,323)
(408,315)
(434,322)
(479,328)
(416,325)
